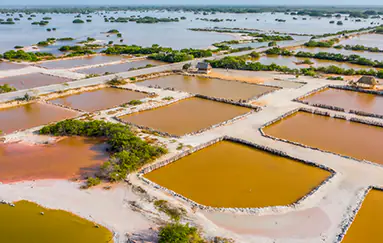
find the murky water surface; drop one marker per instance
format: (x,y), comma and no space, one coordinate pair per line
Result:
(69,158)
(32,80)
(353,139)
(373,40)
(123,67)
(368,222)
(31,115)
(4,66)
(28,225)
(349,100)
(77,62)
(212,87)
(100,99)
(229,174)
(186,116)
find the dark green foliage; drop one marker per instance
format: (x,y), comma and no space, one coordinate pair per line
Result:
(5,88)
(78,21)
(135,102)
(178,233)
(129,151)
(279,51)
(26,56)
(328,43)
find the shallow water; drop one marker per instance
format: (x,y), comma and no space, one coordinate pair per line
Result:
(77,62)
(117,68)
(4,66)
(229,174)
(54,226)
(369,55)
(31,115)
(186,116)
(349,100)
(32,80)
(212,87)
(373,40)
(353,139)
(290,62)
(100,99)
(368,222)
(69,158)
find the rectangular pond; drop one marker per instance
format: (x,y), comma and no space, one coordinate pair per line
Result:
(4,66)
(53,226)
(99,99)
(212,87)
(69,158)
(186,116)
(366,54)
(32,80)
(77,62)
(368,222)
(339,136)
(122,67)
(31,115)
(229,174)
(370,40)
(349,100)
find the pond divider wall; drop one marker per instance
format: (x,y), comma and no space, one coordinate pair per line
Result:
(274,209)
(335,108)
(322,113)
(352,211)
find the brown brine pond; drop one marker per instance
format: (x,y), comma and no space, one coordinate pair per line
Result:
(77,62)
(68,158)
(185,116)
(32,80)
(212,87)
(339,136)
(122,67)
(99,99)
(31,115)
(349,100)
(368,222)
(229,174)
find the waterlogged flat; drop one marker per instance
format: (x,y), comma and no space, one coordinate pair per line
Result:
(69,158)
(24,223)
(212,87)
(186,116)
(368,222)
(353,139)
(4,66)
(77,62)
(369,55)
(371,40)
(31,115)
(100,99)
(229,174)
(349,100)
(122,67)
(32,80)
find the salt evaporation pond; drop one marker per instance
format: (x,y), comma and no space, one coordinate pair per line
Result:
(32,80)
(78,62)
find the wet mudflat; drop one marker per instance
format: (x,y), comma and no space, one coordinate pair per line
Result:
(4,66)
(353,139)
(32,80)
(349,100)
(72,157)
(99,99)
(186,116)
(229,174)
(122,67)
(31,115)
(24,223)
(212,87)
(368,222)
(77,62)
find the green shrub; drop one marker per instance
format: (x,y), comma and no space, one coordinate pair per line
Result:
(178,233)
(135,102)
(5,88)
(78,21)
(173,212)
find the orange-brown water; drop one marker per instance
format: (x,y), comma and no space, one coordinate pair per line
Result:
(31,115)
(186,116)
(32,80)
(229,174)
(69,158)
(368,222)
(99,99)
(77,62)
(209,86)
(349,100)
(122,67)
(353,139)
